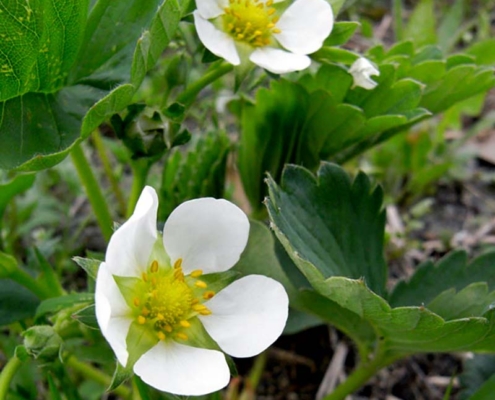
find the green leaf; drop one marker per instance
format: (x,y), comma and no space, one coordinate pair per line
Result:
(40,41)
(16,302)
(54,305)
(336,223)
(199,172)
(264,256)
(8,265)
(332,55)
(478,377)
(341,33)
(483,52)
(452,272)
(87,316)
(336,6)
(106,74)
(451,25)
(10,189)
(89,265)
(48,275)
(422,24)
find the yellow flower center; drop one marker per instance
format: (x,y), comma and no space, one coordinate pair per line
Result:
(251,21)
(168,300)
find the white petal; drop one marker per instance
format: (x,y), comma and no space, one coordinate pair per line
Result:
(247,316)
(305,25)
(362,70)
(130,246)
(208,234)
(218,42)
(112,313)
(183,370)
(211,8)
(279,61)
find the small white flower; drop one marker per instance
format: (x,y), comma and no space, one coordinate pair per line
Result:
(157,285)
(237,29)
(361,70)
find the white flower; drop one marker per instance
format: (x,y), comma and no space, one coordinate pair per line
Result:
(233,29)
(361,70)
(160,287)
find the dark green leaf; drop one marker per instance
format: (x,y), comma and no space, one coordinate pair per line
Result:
(12,188)
(120,375)
(477,376)
(54,305)
(452,272)
(16,302)
(337,224)
(87,317)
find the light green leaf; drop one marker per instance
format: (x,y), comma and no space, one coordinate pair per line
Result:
(451,25)
(120,375)
(338,224)
(422,24)
(341,33)
(483,51)
(336,5)
(8,264)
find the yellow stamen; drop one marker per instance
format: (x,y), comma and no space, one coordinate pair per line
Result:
(178,263)
(145,311)
(144,275)
(181,335)
(141,320)
(161,335)
(271,11)
(200,284)
(167,328)
(185,324)
(153,279)
(276,30)
(154,266)
(206,311)
(198,307)
(136,301)
(208,294)
(160,317)
(197,273)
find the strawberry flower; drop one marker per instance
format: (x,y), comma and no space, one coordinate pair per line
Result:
(162,312)
(237,30)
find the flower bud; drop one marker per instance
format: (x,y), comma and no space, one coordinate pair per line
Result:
(42,342)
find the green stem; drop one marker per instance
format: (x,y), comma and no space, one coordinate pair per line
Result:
(398,23)
(107,167)
(96,375)
(140,169)
(253,380)
(214,72)
(7,375)
(93,191)
(357,379)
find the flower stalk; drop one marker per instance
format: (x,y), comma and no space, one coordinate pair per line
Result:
(93,190)
(7,374)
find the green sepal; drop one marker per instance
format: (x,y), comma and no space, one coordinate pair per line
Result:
(139,340)
(21,353)
(120,375)
(89,265)
(129,287)
(87,316)
(8,265)
(219,280)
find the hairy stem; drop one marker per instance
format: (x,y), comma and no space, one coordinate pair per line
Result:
(215,72)
(107,167)
(93,190)
(140,169)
